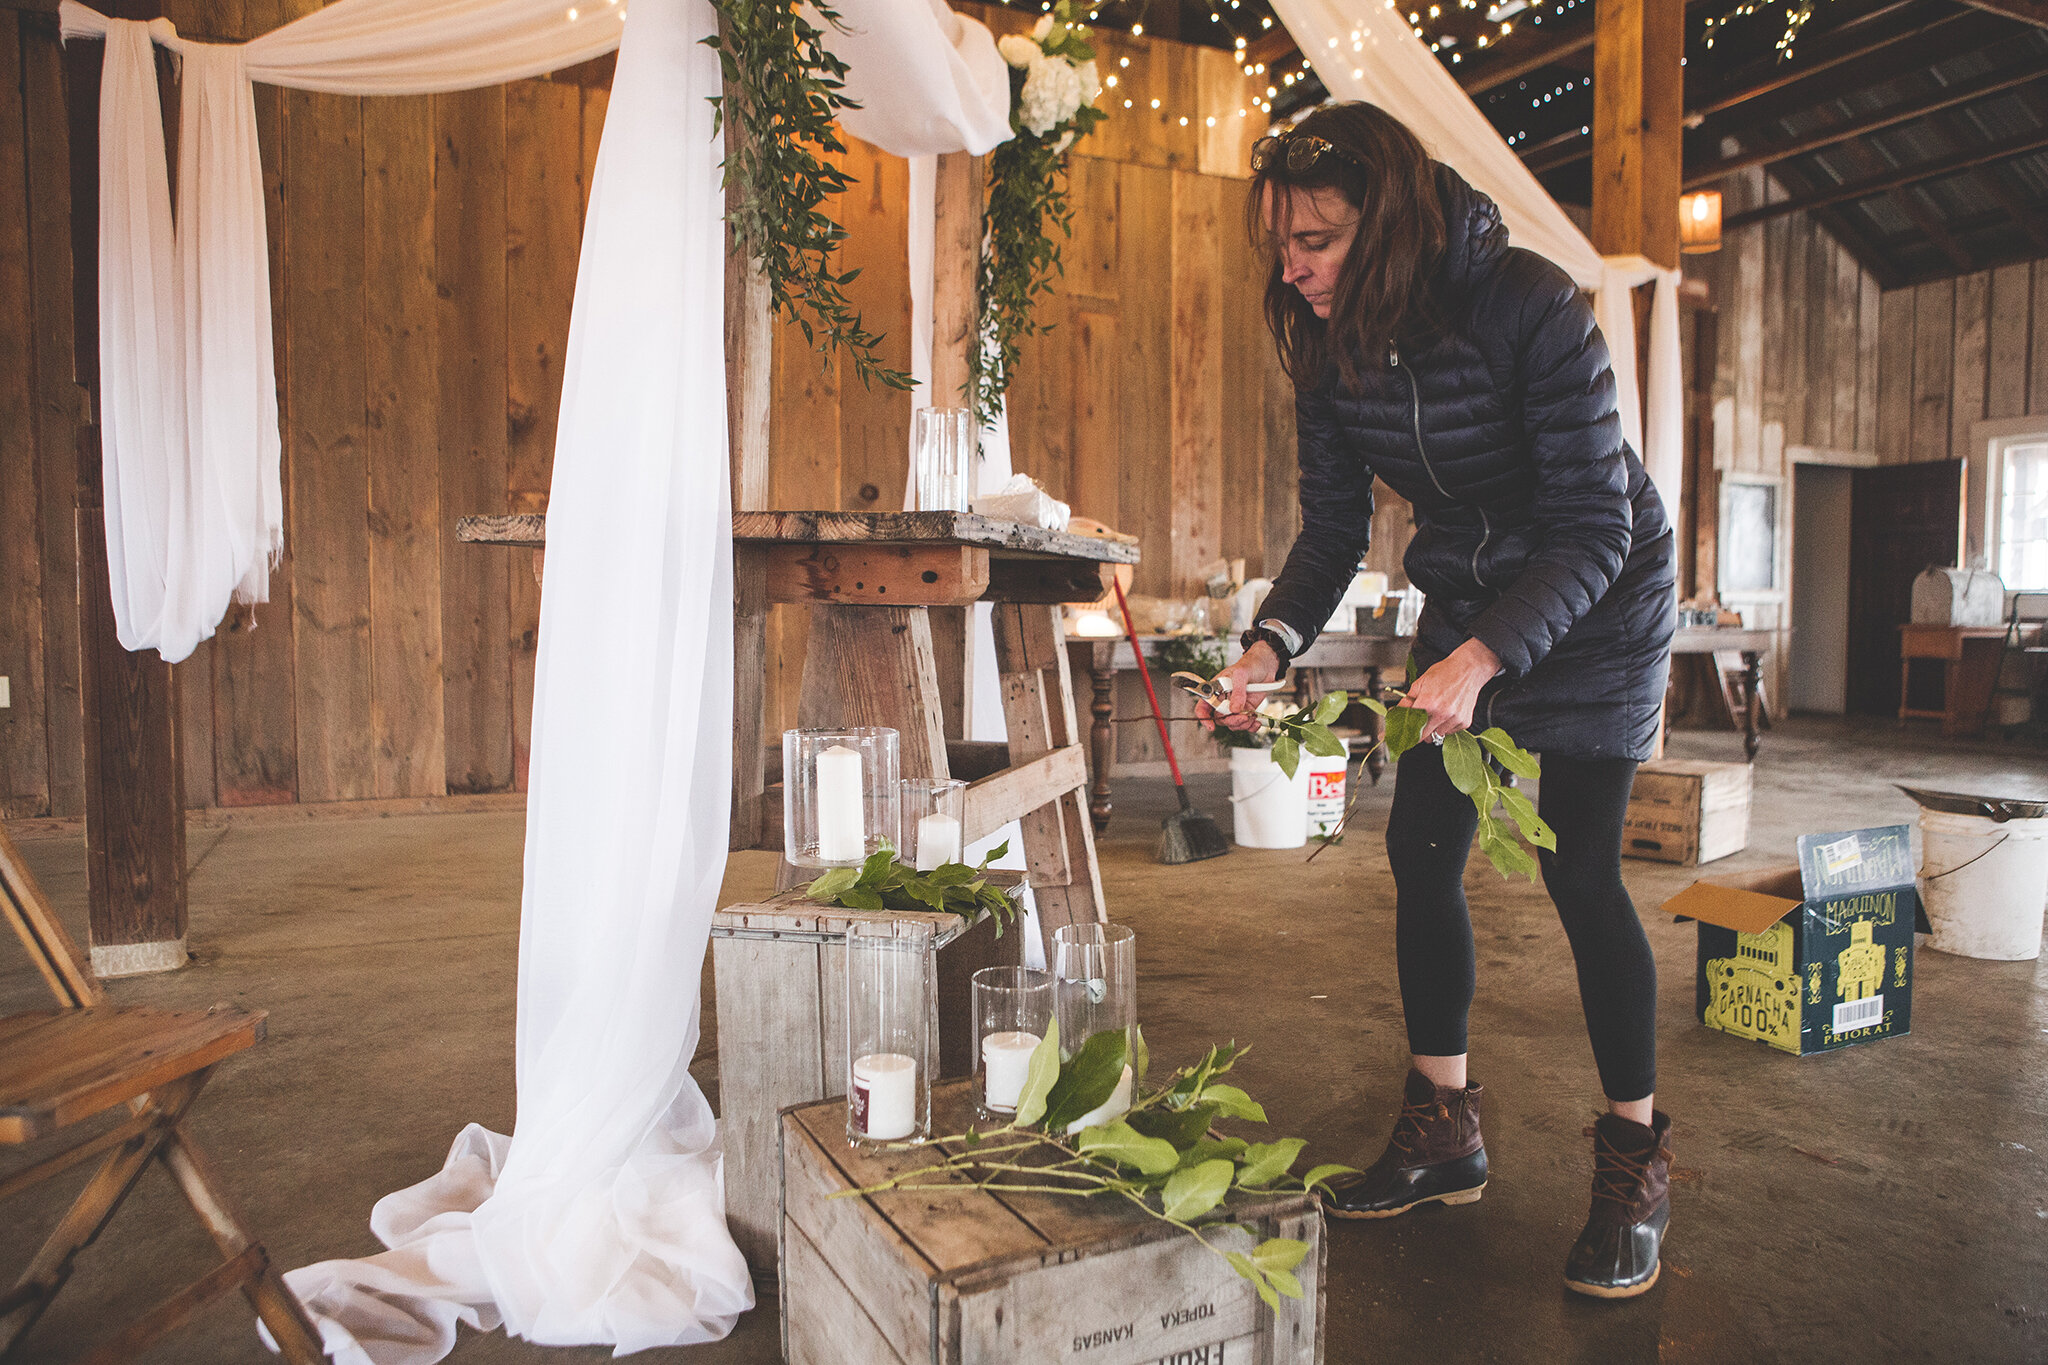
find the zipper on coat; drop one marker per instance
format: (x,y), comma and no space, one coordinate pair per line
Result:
(1415,406)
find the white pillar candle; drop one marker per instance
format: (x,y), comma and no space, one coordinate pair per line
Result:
(1005,1062)
(1111,1109)
(938,841)
(842,827)
(885,1095)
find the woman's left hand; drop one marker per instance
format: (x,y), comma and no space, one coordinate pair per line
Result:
(1449,690)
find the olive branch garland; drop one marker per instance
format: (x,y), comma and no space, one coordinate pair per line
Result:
(782,92)
(1162,1155)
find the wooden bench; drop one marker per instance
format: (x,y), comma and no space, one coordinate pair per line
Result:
(993,1275)
(67,1066)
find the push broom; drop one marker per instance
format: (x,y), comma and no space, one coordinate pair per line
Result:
(1186,836)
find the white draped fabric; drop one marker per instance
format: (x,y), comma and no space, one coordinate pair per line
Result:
(1364,50)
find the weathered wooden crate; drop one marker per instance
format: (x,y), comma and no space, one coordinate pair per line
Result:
(1687,811)
(984,1277)
(779,969)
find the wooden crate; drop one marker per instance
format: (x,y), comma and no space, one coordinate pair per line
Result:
(779,970)
(982,1277)
(1687,811)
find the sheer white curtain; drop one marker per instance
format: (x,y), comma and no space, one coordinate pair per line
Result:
(1366,51)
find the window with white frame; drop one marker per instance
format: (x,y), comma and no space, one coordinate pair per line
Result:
(2019,511)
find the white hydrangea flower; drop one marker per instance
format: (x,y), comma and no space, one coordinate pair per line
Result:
(1018,50)
(1091,83)
(1041,28)
(1052,93)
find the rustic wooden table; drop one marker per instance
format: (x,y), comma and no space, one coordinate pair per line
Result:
(1970,658)
(1751,646)
(1102,659)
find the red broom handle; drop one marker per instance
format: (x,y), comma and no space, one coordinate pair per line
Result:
(1131,634)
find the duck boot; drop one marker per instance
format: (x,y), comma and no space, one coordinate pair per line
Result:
(1435,1154)
(1616,1256)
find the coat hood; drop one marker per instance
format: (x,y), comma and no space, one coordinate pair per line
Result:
(1474,238)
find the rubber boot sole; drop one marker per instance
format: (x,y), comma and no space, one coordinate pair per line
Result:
(1629,1291)
(1470,1196)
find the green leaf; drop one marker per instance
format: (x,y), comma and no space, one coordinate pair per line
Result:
(1464,763)
(995,854)
(1287,754)
(1039,1076)
(876,869)
(1266,1162)
(1088,1080)
(1198,1189)
(950,874)
(860,898)
(831,884)
(1317,1175)
(1233,1103)
(1404,730)
(1318,740)
(1523,811)
(1279,1253)
(1508,856)
(1516,760)
(1141,1056)
(1331,707)
(1126,1146)
(1378,708)
(1183,1128)
(1212,1149)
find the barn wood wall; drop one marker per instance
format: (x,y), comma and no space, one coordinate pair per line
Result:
(423,256)
(1813,353)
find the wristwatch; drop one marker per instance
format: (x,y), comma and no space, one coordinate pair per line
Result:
(1279,637)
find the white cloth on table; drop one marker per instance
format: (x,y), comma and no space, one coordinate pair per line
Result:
(1368,52)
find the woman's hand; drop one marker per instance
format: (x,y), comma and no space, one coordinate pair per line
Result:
(1258,664)
(1449,690)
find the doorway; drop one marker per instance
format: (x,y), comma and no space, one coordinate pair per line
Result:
(1902,519)
(1820,589)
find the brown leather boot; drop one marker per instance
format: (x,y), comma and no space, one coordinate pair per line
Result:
(1616,1257)
(1435,1153)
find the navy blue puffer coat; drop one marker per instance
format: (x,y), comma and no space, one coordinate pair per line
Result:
(1537,530)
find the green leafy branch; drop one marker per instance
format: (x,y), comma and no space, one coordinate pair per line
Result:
(782,95)
(1475,763)
(885,882)
(1162,1155)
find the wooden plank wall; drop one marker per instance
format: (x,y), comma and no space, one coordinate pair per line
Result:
(423,259)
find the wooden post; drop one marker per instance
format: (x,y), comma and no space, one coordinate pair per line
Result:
(956,262)
(134,801)
(1638,119)
(749,371)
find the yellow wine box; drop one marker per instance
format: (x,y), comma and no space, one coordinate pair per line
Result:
(1687,811)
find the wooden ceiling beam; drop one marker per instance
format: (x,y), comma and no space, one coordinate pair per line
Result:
(1869,38)
(1948,98)
(2033,140)
(1531,56)
(1993,179)
(2026,11)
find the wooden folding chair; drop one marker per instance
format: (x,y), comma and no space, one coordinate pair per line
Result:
(63,1067)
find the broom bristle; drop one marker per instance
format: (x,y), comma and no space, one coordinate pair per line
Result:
(1188,836)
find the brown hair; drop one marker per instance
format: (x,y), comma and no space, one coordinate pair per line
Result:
(1384,291)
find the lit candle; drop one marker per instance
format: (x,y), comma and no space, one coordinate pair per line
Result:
(1005,1062)
(938,841)
(1111,1109)
(884,1095)
(842,830)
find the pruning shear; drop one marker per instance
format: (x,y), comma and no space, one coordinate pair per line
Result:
(1206,689)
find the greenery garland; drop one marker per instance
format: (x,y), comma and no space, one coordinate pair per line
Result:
(1027,193)
(782,94)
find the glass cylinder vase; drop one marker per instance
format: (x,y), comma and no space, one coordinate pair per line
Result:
(891,1029)
(1095,975)
(840,795)
(932,815)
(942,458)
(1012,1006)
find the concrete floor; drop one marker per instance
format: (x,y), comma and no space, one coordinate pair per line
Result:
(1885,1203)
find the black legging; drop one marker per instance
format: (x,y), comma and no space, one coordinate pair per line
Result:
(1429,837)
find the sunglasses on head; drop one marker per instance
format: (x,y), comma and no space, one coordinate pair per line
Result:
(1299,152)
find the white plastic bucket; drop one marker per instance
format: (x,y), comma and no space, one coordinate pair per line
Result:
(1325,792)
(1267,808)
(1984,883)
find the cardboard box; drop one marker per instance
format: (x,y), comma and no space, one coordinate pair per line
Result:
(1810,957)
(1687,812)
